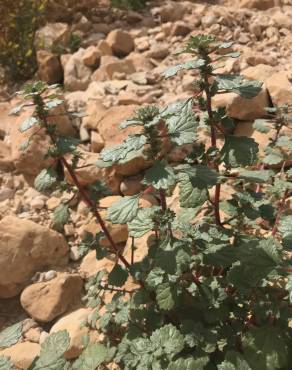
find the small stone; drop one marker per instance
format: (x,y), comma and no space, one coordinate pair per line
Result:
(37,203)
(158,51)
(97,142)
(91,57)
(33,335)
(121,42)
(180,29)
(49,275)
(84,134)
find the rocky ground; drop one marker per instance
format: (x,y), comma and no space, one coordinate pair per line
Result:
(116,69)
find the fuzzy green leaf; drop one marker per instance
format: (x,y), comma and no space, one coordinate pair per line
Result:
(155,277)
(261,125)
(54,103)
(289,287)
(233,83)
(52,351)
(169,339)
(5,363)
(201,176)
(273,156)
(131,122)
(239,151)
(66,144)
(92,357)
(284,142)
(189,364)
(265,348)
(261,176)
(285,225)
(191,64)
(164,297)
(46,179)
(10,335)
(118,276)
(142,223)
(190,196)
(181,122)
(61,215)
(160,176)
(120,152)
(28,123)
(123,210)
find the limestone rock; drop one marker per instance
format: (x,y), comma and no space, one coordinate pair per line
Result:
(91,57)
(121,42)
(76,74)
(97,142)
(259,72)
(51,36)
(110,65)
(72,322)
(172,11)
(49,67)
(241,108)
(25,248)
(22,354)
(280,88)
(45,301)
(91,266)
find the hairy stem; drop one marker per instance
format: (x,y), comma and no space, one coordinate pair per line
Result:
(214,144)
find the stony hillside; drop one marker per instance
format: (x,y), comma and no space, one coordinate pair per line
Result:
(116,69)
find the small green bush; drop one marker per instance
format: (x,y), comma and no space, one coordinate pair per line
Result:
(19,21)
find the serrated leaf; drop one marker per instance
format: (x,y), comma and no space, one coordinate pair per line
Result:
(10,335)
(118,276)
(190,196)
(289,287)
(53,103)
(189,364)
(273,156)
(285,225)
(52,351)
(261,176)
(261,125)
(66,144)
(160,176)
(142,223)
(201,176)
(226,45)
(265,348)
(181,122)
(119,152)
(284,142)
(46,179)
(164,297)
(61,215)
(5,363)
(191,64)
(226,365)
(233,83)
(92,357)
(155,277)
(239,151)
(28,123)
(169,338)
(123,210)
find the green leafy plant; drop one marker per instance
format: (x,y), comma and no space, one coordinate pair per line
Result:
(17,30)
(214,289)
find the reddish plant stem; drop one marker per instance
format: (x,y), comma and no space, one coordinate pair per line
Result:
(279,213)
(97,215)
(38,100)
(259,186)
(214,144)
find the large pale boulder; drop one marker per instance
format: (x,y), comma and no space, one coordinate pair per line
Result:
(280,88)
(52,36)
(47,300)
(73,323)
(22,354)
(121,42)
(241,108)
(25,248)
(171,11)
(76,74)
(260,72)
